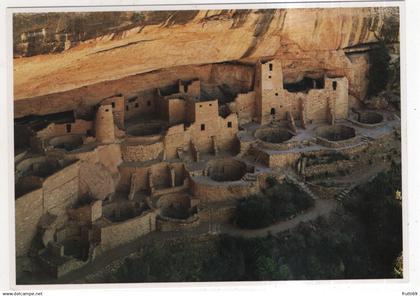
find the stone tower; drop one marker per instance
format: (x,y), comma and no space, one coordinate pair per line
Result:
(104,124)
(269,89)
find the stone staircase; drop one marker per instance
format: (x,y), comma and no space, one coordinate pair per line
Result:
(250,177)
(344,194)
(215,147)
(366,139)
(180,153)
(257,157)
(301,185)
(195,152)
(302,114)
(331,112)
(133,188)
(291,121)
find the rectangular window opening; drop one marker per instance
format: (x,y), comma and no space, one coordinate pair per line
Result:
(68,127)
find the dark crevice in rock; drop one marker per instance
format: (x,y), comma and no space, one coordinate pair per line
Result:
(121,46)
(261,27)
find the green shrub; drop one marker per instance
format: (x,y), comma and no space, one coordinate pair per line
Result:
(254,212)
(375,205)
(267,269)
(278,202)
(379,69)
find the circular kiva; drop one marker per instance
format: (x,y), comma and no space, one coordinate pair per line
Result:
(273,134)
(226,169)
(175,206)
(335,133)
(67,142)
(370,117)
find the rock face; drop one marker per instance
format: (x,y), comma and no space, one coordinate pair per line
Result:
(56,53)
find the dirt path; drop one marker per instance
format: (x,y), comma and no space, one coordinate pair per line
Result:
(322,207)
(113,258)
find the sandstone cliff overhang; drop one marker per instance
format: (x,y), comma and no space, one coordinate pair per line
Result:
(57,52)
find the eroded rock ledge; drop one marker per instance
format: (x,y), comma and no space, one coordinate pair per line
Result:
(62,52)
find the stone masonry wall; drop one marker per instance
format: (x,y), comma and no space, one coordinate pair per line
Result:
(283,160)
(205,125)
(228,127)
(244,106)
(117,234)
(140,104)
(273,102)
(28,211)
(104,124)
(169,224)
(88,213)
(176,111)
(80,126)
(176,137)
(58,192)
(142,152)
(209,191)
(118,109)
(160,172)
(316,102)
(61,189)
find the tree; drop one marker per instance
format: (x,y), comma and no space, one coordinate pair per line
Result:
(267,269)
(379,71)
(254,212)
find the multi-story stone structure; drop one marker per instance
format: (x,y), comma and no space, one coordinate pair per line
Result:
(175,158)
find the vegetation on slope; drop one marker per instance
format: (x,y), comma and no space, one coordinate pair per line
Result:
(278,202)
(379,71)
(384,70)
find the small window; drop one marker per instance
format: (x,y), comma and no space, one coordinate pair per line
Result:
(113,104)
(269,77)
(203,127)
(334,85)
(273,111)
(201,106)
(270,66)
(68,127)
(89,133)
(106,110)
(229,124)
(210,104)
(132,99)
(277,94)
(149,103)
(136,105)
(126,108)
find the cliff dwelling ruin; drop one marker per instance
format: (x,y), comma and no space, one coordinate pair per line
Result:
(169,142)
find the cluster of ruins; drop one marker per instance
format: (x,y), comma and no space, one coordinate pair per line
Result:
(97,178)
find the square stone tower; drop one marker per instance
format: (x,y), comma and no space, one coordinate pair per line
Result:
(268,88)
